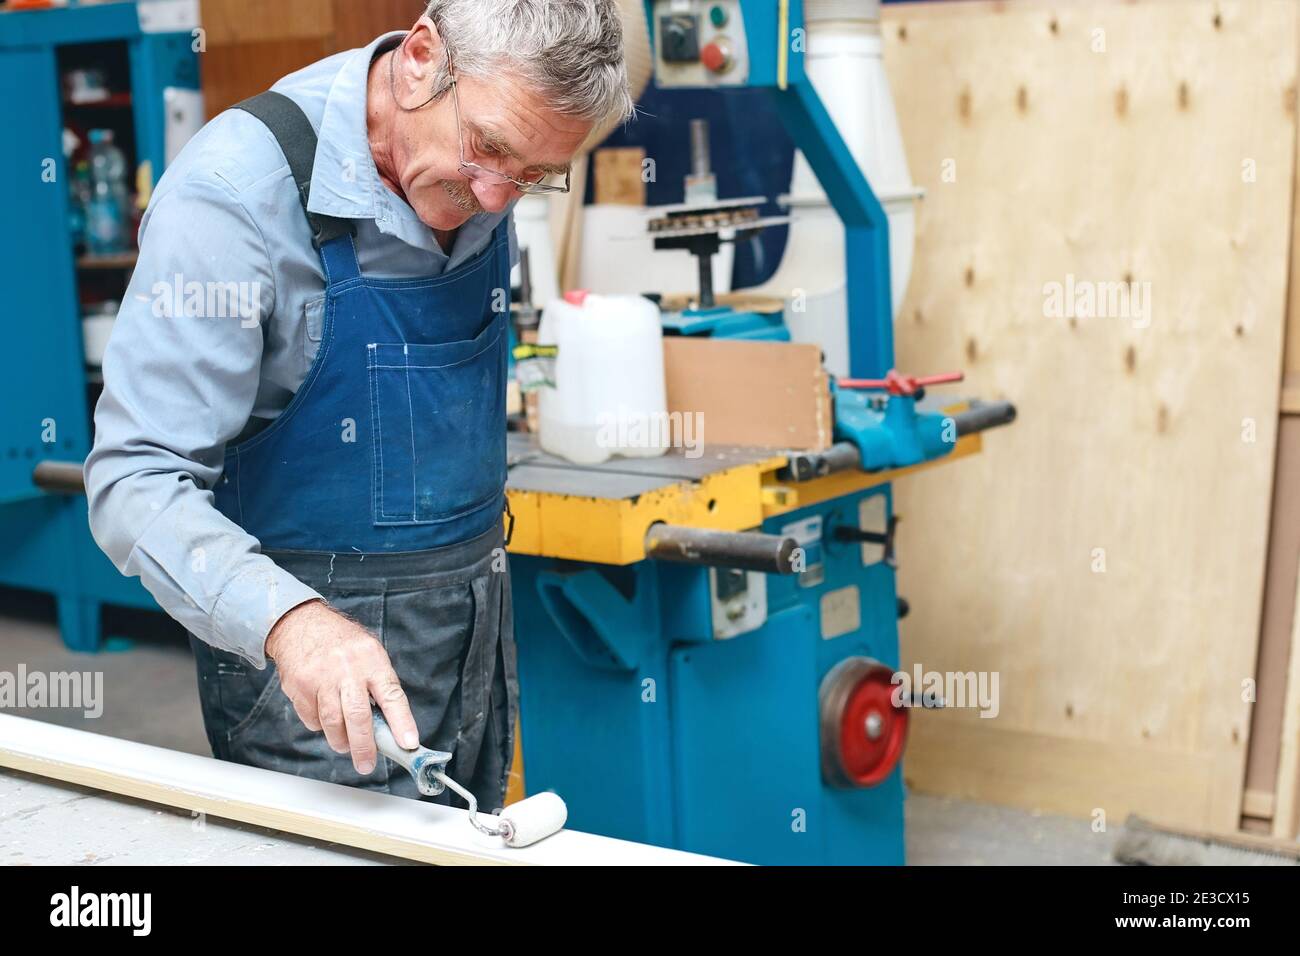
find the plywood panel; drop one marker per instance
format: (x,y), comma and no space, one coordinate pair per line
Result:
(234,72)
(250,21)
(1105,554)
(358,22)
(251,44)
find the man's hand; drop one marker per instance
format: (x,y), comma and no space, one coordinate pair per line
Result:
(330,668)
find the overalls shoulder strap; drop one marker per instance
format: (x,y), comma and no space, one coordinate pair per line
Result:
(297,140)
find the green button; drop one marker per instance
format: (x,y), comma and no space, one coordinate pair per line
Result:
(718,15)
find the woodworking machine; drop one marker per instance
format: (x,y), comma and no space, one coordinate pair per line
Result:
(707,645)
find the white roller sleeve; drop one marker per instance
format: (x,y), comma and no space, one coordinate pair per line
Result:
(534,818)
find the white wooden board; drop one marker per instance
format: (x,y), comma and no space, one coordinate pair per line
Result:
(396,826)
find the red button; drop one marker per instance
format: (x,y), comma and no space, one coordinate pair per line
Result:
(714,58)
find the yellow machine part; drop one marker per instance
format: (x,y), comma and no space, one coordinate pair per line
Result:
(612,530)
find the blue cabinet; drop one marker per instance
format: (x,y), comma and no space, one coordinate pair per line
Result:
(46,390)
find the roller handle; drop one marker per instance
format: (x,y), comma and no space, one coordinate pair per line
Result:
(747,550)
(520,824)
(421,763)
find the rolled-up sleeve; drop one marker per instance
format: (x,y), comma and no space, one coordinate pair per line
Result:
(179,384)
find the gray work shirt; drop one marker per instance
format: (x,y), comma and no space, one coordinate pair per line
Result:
(218,328)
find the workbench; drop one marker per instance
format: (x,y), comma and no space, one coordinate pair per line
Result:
(46,822)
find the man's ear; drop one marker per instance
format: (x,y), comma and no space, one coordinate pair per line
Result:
(424,55)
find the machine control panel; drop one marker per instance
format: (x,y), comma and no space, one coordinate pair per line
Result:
(679,38)
(739,601)
(700,43)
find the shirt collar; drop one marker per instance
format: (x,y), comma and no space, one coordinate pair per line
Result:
(344,181)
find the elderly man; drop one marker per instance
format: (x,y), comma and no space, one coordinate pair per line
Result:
(313,482)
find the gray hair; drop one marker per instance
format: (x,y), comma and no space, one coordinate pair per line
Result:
(568,51)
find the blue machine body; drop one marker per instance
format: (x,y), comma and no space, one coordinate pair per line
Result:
(888,429)
(652,726)
(44,387)
(653,730)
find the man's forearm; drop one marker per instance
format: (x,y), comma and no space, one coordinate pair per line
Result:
(202,569)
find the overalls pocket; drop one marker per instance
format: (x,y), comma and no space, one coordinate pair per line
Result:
(438,427)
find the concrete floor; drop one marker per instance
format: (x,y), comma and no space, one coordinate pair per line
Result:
(149,696)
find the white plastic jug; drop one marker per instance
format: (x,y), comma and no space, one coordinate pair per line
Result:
(609,396)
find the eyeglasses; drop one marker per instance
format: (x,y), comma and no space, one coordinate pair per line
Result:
(493,177)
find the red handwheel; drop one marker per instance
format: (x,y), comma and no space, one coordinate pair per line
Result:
(863,731)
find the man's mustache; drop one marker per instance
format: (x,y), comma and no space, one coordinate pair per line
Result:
(462,195)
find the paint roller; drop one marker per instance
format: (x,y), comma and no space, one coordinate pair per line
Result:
(519,824)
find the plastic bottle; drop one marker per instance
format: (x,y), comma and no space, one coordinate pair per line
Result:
(609,395)
(78,203)
(106,212)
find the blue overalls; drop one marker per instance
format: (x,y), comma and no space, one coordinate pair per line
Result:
(382,486)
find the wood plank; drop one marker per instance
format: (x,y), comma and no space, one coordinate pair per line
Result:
(251,45)
(1263,772)
(1105,554)
(1278,614)
(228,22)
(357,22)
(566,224)
(235,71)
(757,394)
(411,829)
(1291,394)
(948,753)
(1258,804)
(1291,346)
(1286,816)
(619,177)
